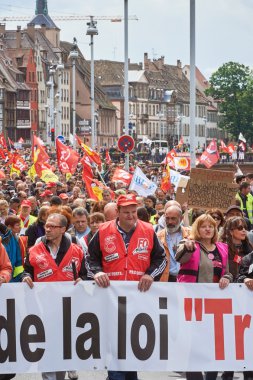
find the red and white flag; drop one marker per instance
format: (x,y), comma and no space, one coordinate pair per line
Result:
(67,158)
(210,156)
(3,141)
(122,175)
(223,147)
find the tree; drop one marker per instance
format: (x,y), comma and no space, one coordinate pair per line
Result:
(232,87)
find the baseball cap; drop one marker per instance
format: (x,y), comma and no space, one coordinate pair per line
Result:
(26,203)
(233,207)
(63,196)
(126,200)
(46,193)
(51,184)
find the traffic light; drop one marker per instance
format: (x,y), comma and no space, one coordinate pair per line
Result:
(52,135)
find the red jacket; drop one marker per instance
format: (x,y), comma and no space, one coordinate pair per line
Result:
(45,268)
(122,264)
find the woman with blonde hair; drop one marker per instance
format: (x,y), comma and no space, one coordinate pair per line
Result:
(203,260)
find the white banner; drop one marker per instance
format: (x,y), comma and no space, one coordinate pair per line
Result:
(141,184)
(172,327)
(176,176)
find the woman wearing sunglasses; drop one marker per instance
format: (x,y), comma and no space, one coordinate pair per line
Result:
(235,235)
(217,215)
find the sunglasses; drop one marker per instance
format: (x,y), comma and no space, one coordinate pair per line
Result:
(215,217)
(240,228)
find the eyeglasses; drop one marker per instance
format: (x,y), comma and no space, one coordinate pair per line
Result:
(216,217)
(240,228)
(52,227)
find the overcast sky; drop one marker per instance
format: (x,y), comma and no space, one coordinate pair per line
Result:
(224,29)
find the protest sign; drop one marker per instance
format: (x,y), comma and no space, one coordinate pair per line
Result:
(208,189)
(58,326)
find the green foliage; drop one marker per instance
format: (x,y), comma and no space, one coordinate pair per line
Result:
(232,87)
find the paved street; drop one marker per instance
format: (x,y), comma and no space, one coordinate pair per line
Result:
(101,375)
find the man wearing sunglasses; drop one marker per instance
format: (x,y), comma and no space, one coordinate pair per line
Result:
(54,258)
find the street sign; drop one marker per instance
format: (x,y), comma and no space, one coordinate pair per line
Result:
(84,122)
(126,143)
(61,138)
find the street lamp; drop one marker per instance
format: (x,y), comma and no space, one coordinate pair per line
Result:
(205,122)
(74,55)
(58,127)
(92,31)
(50,84)
(47,125)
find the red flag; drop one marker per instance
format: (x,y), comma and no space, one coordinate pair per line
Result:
(38,151)
(67,158)
(166,183)
(94,188)
(169,159)
(2,155)
(231,148)
(108,159)
(210,156)
(3,141)
(223,147)
(87,168)
(93,155)
(11,144)
(21,140)
(18,163)
(122,176)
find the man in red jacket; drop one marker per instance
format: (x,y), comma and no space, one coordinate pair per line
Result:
(125,249)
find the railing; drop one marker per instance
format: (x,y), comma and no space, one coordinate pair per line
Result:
(23,104)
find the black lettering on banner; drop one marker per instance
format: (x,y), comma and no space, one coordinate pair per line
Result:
(121,327)
(140,320)
(93,334)
(163,330)
(9,325)
(67,344)
(26,338)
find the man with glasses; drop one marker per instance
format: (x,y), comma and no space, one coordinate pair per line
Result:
(51,260)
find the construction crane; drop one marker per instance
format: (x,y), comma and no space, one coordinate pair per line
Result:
(70,18)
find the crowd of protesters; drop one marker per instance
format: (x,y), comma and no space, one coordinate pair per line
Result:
(61,221)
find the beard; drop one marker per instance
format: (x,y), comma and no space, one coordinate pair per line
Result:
(171,229)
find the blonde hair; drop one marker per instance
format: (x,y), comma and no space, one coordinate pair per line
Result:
(198,223)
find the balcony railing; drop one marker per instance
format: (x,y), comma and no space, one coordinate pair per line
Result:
(23,124)
(23,104)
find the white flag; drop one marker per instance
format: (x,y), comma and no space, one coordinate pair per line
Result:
(241,138)
(141,184)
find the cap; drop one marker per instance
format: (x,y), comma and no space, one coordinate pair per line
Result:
(63,196)
(233,207)
(26,203)
(51,184)
(127,200)
(46,193)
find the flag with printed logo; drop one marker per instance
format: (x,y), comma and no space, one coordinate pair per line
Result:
(141,184)
(210,156)
(121,175)
(67,158)
(92,154)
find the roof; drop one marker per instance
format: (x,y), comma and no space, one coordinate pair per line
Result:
(43,20)
(137,76)
(83,66)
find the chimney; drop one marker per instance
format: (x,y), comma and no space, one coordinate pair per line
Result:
(31,31)
(2,28)
(160,62)
(146,61)
(179,69)
(18,37)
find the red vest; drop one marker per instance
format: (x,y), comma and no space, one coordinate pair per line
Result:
(122,264)
(45,268)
